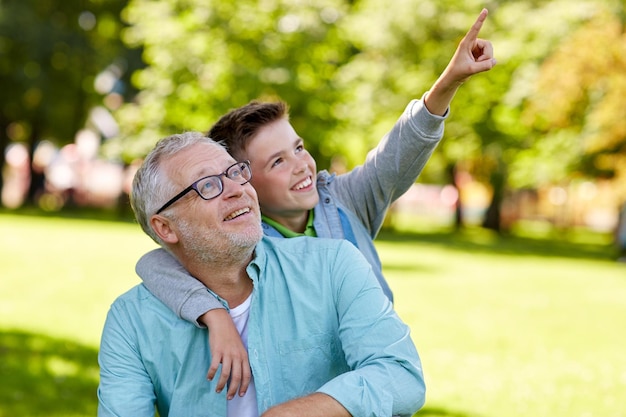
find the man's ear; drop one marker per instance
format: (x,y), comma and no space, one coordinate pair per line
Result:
(161,226)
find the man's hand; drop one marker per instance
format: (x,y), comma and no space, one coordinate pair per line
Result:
(226,348)
(473,55)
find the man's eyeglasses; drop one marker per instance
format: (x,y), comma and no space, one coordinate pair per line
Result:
(212,186)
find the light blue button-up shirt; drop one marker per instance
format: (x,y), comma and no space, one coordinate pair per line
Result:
(319,321)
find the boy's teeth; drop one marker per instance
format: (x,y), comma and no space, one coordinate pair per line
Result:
(303,184)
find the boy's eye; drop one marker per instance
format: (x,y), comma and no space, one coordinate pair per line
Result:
(299,148)
(277,162)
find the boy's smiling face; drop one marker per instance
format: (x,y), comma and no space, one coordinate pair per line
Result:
(283,174)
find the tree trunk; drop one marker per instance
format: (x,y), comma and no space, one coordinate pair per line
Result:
(4,144)
(492,218)
(458,206)
(37,179)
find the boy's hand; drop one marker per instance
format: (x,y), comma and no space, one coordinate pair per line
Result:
(473,55)
(226,348)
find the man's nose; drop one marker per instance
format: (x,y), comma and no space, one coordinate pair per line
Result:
(232,188)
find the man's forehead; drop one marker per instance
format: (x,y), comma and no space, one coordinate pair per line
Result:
(200,160)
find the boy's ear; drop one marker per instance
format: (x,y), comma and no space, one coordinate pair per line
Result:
(161,226)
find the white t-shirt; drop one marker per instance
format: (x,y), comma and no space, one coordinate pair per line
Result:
(245,406)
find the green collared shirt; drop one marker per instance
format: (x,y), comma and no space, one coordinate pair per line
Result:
(309,230)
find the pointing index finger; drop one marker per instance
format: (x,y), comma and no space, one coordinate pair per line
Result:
(475,29)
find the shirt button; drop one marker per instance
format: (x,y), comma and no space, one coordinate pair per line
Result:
(327,200)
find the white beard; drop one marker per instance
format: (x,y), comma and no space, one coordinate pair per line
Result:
(216,246)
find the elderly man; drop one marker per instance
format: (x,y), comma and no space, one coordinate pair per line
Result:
(322,338)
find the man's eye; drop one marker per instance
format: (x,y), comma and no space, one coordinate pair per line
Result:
(208,186)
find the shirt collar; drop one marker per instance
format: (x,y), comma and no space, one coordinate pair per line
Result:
(309,230)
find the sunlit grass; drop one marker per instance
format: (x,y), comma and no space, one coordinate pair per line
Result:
(505,332)
(515,326)
(59,276)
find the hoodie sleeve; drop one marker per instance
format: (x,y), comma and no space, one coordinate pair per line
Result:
(392,167)
(166,278)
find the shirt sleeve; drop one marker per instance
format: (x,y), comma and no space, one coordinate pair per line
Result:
(166,278)
(392,167)
(125,388)
(386,375)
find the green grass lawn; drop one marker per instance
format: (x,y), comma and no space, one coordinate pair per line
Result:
(505,327)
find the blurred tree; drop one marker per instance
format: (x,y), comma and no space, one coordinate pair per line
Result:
(206,57)
(52,51)
(581,111)
(408,48)
(347,69)
(500,137)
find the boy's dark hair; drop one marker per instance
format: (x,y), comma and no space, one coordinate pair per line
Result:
(238,126)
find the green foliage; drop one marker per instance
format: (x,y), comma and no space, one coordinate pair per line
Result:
(205,58)
(494,103)
(347,69)
(52,52)
(584,94)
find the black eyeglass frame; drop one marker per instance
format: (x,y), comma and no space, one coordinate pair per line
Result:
(194,186)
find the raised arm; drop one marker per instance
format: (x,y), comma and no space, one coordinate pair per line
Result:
(394,165)
(165,277)
(473,55)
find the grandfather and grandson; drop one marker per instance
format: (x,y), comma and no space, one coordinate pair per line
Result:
(313,316)
(323,339)
(296,200)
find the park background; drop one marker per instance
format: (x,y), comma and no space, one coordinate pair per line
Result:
(502,257)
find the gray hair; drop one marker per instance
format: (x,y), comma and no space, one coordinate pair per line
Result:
(151,186)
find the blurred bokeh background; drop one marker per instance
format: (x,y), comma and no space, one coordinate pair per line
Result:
(534,148)
(89,86)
